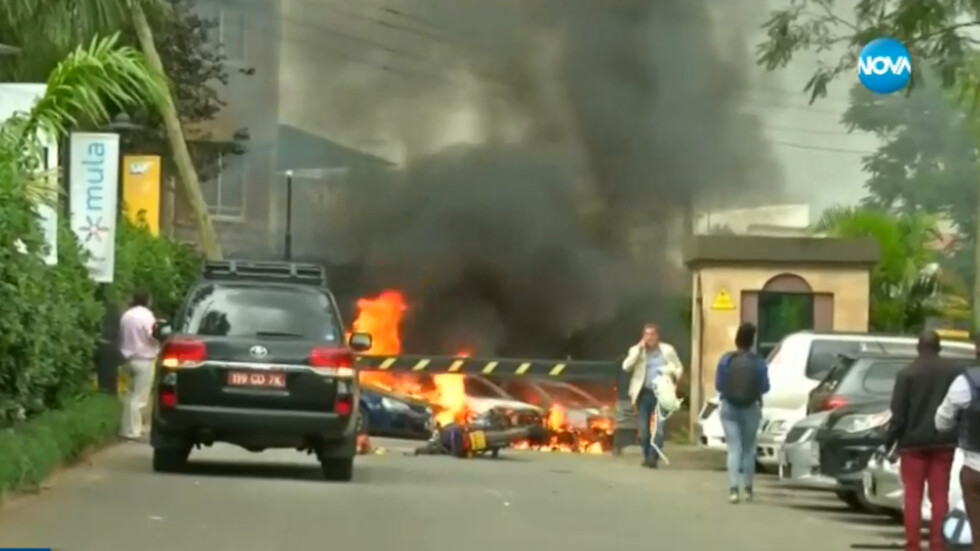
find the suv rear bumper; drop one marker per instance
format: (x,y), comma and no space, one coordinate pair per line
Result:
(254,423)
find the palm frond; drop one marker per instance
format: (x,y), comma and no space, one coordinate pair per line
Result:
(88,81)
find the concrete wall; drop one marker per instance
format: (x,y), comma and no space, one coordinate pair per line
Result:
(713,331)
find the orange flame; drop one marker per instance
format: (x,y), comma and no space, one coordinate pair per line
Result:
(381,316)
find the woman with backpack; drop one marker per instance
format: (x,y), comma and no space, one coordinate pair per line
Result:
(741,379)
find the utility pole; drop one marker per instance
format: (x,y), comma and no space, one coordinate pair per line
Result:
(288,249)
(175,135)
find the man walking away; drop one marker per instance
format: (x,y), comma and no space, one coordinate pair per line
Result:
(741,379)
(139,349)
(645,362)
(960,409)
(925,452)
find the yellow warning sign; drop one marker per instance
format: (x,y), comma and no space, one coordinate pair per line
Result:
(723,301)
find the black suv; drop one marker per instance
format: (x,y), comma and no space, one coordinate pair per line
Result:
(258,358)
(855,379)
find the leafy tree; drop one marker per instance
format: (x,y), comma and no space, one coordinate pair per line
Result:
(901,283)
(195,68)
(927,160)
(934,30)
(46,345)
(47,29)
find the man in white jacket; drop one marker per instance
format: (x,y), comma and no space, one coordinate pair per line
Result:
(646,361)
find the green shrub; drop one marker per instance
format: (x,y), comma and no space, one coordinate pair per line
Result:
(47,340)
(32,450)
(160,265)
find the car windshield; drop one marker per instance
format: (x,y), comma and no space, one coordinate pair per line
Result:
(249,311)
(568,396)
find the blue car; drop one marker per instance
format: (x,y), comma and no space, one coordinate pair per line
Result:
(395,415)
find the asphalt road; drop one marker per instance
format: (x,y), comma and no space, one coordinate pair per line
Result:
(235,500)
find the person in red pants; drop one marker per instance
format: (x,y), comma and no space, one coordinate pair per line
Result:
(926,453)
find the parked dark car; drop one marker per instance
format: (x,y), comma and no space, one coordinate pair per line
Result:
(847,441)
(868,377)
(395,415)
(856,425)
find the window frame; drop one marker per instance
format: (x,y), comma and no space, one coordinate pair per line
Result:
(236,11)
(215,210)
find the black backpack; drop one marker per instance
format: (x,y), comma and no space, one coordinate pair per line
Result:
(741,385)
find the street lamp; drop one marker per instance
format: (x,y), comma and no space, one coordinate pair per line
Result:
(122,124)
(288,250)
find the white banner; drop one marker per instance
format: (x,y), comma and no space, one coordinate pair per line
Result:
(21,98)
(94,192)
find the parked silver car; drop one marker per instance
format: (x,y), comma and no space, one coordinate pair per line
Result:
(799,456)
(882,486)
(773,431)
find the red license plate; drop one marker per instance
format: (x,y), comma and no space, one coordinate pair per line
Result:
(257,379)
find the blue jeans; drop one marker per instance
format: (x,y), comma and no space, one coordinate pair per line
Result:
(646,405)
(741,426)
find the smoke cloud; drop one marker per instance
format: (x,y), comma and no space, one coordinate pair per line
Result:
(544,141)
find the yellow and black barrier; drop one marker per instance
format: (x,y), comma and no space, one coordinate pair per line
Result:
(498,367)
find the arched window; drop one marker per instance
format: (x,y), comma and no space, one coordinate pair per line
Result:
(785,306)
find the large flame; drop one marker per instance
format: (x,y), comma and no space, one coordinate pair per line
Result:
(381,316)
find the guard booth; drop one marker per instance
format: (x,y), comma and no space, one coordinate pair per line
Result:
(781,284)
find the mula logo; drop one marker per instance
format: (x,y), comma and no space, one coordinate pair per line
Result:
(884,66)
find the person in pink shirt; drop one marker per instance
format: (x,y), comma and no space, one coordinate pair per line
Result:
(139,350)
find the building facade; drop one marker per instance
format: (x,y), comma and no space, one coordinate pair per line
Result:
(239,195)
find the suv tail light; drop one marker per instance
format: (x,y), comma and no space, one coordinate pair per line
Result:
(832,403)
(178,353)
(334,361)
(345,405)
(167,398)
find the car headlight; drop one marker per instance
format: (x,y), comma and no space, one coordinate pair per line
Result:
(777,427)
(861,423)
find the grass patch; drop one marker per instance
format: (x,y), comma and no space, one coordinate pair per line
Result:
(34,449)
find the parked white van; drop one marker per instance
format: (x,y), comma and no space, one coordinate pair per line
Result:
(796,366)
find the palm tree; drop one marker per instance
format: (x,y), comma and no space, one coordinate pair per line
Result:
(45,30)
(902,282)
(82,87)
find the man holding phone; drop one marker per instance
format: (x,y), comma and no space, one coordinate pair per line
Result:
(646,361)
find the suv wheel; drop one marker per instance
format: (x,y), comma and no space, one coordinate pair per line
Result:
(170,460)
(337,469)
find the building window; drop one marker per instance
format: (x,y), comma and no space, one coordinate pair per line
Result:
(225,193)
(231,33)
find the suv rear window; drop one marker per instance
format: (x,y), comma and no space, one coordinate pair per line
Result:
(249,311)
(836,374)
(824,354)
(880,377)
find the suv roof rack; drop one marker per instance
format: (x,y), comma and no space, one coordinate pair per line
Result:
(273,272)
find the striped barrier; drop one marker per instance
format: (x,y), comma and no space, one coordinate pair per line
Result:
(499,367)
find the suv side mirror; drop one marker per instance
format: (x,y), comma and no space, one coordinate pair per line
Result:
(162,330)
(361,342)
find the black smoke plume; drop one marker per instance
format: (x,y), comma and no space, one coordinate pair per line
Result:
(592,128)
